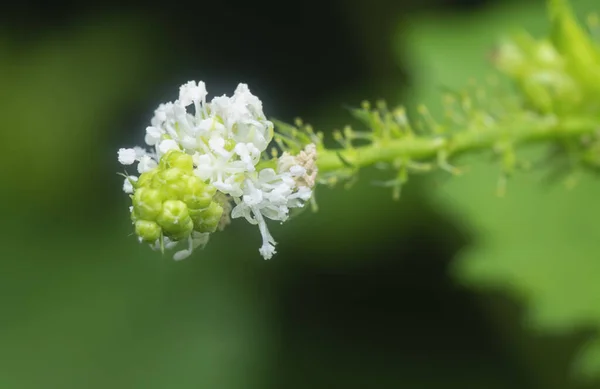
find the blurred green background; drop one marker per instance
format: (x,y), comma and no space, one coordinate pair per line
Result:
(451,287)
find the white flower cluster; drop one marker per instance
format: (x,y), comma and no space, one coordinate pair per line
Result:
(226,138)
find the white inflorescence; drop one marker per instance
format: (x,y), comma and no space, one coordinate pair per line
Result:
(226,138)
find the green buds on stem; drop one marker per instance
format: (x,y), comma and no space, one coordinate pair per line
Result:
(170,201)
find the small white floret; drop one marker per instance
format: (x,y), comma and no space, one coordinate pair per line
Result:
(146,164)
(128,184)
(267,250)
(153,135)
(166,145)
(127,156)
(192,92)
(297,171)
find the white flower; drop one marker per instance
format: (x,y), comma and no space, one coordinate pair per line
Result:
(267,250)
(191,92)
(153,135)
(221,171)
(269,195)
(160,114)
(147,161)
(127,184)
(166,145)
(249,154)
(127,156)
(226,138)
(167,244)
(297,171)
(146,164)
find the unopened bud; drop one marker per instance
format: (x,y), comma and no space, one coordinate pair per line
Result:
(198,195)
(177,159)
(175,220)
(207,220)
(147,203)
(147,230)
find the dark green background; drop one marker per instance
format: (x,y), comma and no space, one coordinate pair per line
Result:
(360,294)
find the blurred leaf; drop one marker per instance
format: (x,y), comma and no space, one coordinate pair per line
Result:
(83,304)
(59,93)
(540,243)
(588,363)
(77,312)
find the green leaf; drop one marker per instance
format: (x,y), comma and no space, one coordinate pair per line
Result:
(540,243)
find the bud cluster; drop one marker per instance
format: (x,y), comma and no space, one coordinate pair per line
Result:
(559,74)
(170,201)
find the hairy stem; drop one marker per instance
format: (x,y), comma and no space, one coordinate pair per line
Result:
(428,148)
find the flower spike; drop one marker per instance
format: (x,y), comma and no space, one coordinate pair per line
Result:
(209,162)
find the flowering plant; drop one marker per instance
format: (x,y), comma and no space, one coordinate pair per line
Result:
(210,162)
(207,166)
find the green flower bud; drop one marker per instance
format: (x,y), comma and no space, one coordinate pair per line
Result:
(552,91)
(146,179)
(541,73)
(171,182)
(147,203)
(175,219)
(198,195)
(186,228)
(171,201)
(195,215)
(134,216)
(546,56)
(207,220)
(510,59)
(229,144)
(149,231)
(575,44)
(177,159)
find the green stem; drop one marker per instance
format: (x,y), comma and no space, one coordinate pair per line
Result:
(425,148)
